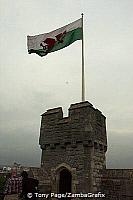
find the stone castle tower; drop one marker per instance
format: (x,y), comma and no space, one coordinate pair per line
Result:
(73,148)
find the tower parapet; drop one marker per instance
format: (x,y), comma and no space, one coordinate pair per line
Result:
(84,124)
(78,141)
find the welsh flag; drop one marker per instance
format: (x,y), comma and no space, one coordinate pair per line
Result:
(58,39)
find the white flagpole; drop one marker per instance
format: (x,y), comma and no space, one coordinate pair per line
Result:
(83,76)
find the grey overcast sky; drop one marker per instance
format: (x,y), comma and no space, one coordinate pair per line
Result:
(29,84)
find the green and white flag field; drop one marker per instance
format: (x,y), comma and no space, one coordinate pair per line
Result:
(58,39)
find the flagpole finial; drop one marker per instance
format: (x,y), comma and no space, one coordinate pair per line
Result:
(82,14)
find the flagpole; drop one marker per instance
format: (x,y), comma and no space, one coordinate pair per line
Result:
(83,76)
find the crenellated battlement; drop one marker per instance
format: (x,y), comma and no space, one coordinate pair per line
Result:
(78,142)
(74,154)
(84,124)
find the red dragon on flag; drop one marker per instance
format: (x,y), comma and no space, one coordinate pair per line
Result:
(49,43)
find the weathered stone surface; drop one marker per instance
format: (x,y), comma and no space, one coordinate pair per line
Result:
(118,184)
(78,143)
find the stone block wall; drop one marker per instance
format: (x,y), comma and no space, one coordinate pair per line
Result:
(118,184)
(77,142)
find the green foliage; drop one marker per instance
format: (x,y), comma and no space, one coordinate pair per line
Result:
(2,183)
